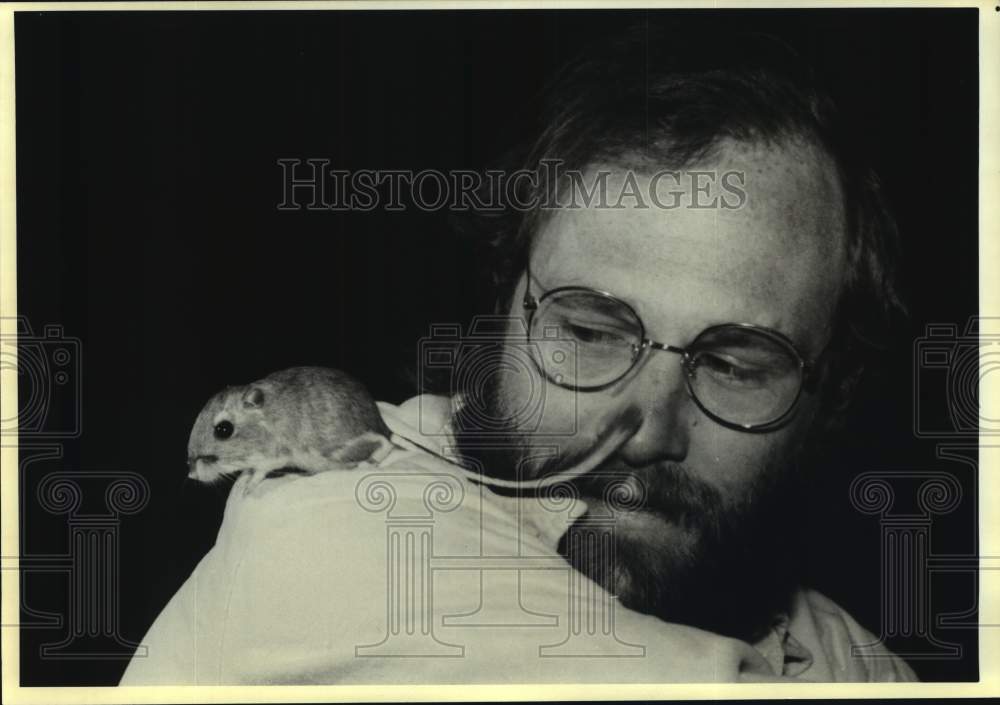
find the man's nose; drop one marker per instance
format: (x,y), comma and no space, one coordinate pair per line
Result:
(659,389)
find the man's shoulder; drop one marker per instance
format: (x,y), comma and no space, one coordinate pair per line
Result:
(840,648)
(406,482)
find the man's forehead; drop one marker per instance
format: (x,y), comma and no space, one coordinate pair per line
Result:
(783,241)
(787,190)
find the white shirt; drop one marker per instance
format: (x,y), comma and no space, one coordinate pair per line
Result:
(408,572)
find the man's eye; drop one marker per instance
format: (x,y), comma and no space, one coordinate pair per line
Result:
(593,336)
(729,371)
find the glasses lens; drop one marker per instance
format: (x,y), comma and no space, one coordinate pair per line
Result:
(584,339)
(744,376)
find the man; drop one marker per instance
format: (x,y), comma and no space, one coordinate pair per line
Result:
(708,304)
(803,252)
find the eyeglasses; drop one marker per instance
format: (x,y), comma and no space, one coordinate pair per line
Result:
(740,375)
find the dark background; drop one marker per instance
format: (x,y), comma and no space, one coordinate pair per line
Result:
(147,147)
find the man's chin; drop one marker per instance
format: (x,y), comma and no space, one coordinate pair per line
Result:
(651,555)
(674,564)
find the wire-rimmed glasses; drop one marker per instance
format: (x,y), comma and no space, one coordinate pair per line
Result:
(741,375)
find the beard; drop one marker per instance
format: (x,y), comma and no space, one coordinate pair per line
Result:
(660,539)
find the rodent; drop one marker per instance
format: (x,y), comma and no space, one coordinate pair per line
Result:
(311,419)
(315,419)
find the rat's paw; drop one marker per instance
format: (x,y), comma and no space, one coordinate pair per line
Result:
(260,482)
(254,480)
(240,484)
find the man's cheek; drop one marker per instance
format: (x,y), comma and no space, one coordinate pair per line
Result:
(731,460)
(536,405)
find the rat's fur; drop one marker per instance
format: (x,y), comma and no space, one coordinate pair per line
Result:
(308,419)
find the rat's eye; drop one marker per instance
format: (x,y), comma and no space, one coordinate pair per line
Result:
(223,430)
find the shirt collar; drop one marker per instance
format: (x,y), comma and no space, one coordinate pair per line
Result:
(786,654)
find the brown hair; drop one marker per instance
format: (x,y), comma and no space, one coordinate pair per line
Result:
(671,99)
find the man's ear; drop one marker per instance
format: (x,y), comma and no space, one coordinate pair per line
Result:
(367,446)
(506,291)
(838,390)
(501,304)
(849,386)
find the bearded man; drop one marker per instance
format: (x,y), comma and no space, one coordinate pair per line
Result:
(702,274)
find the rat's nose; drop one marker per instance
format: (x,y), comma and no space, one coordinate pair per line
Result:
(193,461)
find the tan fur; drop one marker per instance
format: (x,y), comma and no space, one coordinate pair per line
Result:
(306,418)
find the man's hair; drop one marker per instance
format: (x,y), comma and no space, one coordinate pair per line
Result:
(649,99)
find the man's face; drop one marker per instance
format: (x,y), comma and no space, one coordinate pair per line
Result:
(778,262)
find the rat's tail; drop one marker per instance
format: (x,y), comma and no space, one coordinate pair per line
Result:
(617,428)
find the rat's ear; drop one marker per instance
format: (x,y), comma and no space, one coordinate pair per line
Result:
(253,397)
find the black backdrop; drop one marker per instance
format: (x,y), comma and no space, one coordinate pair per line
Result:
(147,148)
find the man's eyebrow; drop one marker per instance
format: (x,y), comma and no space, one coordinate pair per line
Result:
(775,326)
(572,280)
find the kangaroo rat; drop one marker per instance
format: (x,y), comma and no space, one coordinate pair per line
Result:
(314,419)
(308,418)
